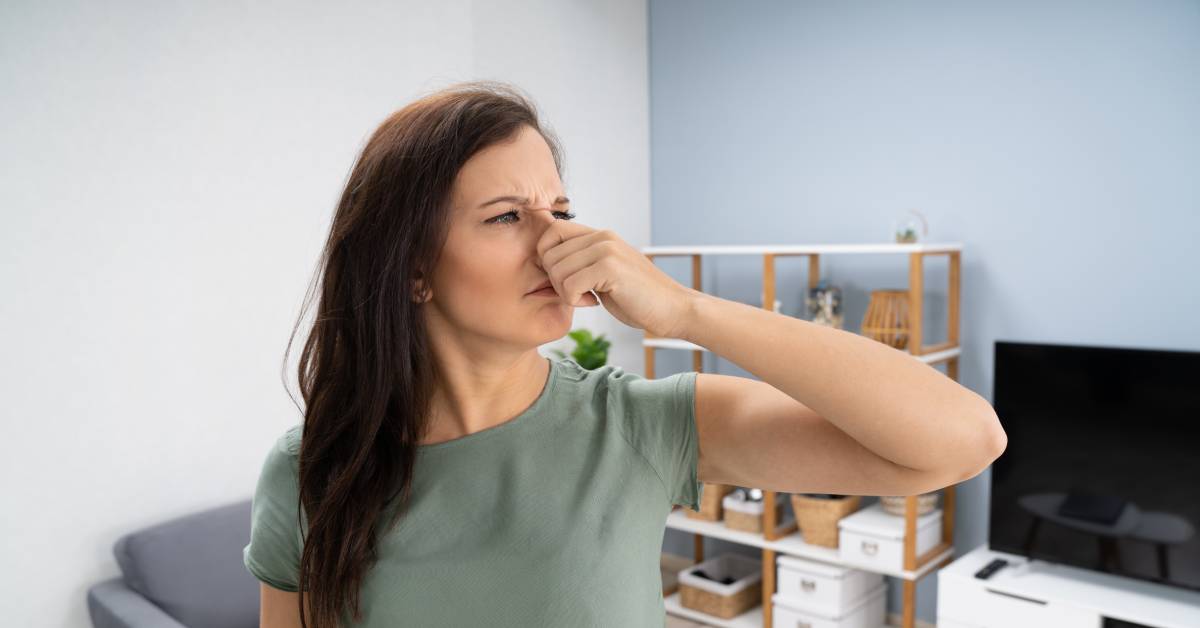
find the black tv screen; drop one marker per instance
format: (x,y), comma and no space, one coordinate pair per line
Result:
(1102,469)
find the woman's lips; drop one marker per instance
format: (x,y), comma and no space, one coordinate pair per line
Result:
(544,292)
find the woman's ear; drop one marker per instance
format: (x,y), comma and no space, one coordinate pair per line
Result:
(420,293)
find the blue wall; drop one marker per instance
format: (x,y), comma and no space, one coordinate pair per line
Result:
(1058,141)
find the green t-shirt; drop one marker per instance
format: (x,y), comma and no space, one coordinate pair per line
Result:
(552,518)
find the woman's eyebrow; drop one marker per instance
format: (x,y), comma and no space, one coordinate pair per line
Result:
(521,200)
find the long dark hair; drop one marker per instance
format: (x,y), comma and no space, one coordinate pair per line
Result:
(366,372)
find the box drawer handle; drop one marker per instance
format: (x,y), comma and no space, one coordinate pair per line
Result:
(807,585)
(870,548)
(800,623)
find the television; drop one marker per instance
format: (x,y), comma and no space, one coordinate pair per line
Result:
(1102,469)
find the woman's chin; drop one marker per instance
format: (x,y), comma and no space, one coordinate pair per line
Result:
(556,321)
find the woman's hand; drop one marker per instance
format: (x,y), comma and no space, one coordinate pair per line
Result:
(580,260)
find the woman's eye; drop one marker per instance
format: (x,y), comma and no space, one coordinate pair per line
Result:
(499,219)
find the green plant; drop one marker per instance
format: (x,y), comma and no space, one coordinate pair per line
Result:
(590,353)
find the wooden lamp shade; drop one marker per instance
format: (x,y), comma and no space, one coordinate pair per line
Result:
(886,319)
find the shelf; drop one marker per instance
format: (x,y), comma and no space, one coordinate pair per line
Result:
(801,249)
(676,343)
(678,520)
(752,618)
(945,353)
(792,545)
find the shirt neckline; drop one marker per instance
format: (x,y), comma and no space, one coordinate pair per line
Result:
(507,426)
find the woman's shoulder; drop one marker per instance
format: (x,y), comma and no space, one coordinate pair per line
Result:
(281,463)
(278,479)
(601,375)
(594,383)
(612,375)
(625,388)
(289,442)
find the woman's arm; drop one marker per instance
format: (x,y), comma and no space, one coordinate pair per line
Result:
(894,415)
(280,609)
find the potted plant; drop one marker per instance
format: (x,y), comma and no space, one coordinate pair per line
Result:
(590,353)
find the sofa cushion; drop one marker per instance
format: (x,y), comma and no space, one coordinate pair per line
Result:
(192,567)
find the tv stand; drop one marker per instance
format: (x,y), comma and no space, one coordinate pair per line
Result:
(1035,593)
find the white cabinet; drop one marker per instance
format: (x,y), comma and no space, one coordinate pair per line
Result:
(949,623)
(985,608)
(1033,594)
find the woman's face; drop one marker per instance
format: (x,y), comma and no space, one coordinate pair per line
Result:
(480,287)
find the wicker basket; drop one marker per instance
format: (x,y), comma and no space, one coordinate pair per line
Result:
(897,505)
(742,595)
(750,521)
(710,502)
(818,518)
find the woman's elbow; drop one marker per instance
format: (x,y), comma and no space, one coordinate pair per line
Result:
(993,442)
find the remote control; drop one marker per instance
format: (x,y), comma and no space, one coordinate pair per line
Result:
(990,568)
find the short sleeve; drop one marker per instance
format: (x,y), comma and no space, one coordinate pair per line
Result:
(273,554)
(658,417)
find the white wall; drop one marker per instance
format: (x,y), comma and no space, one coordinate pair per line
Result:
(167,176)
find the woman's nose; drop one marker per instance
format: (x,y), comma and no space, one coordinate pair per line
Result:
(540,213)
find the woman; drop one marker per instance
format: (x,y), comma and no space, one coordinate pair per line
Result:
(446,474)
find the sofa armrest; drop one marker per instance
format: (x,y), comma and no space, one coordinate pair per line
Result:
(111,604)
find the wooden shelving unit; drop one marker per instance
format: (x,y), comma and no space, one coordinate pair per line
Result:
(783,537)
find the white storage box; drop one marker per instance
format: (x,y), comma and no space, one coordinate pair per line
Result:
(715,598)
(867,612)
(828,588)
(874,538)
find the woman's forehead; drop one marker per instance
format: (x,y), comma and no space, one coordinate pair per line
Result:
(527,152)
(511,185)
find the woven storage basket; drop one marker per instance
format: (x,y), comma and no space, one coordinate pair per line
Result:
(818,518)
(746,590)
(750,522)
(710,502)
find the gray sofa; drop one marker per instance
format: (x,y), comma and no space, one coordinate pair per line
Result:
(183,573)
